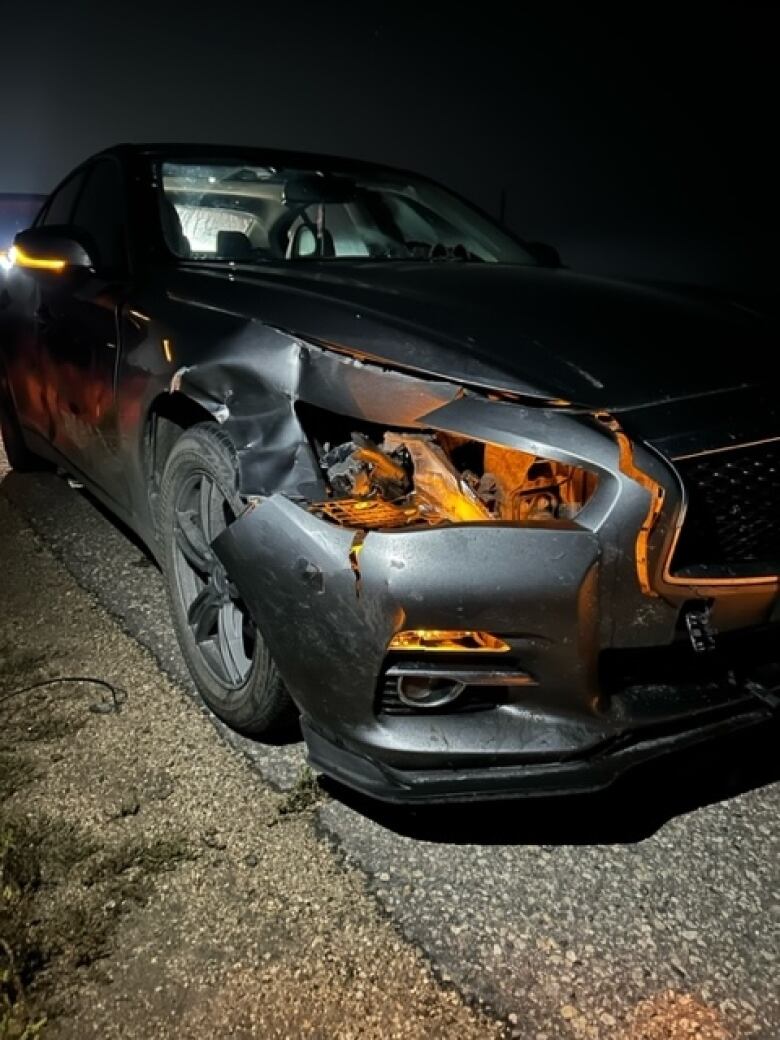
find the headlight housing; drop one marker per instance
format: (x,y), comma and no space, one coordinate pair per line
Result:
(409,478)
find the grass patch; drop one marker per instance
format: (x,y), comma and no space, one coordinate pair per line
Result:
(304,795)
(39,852)
(49,729)
(30,854)
(18,667)
(125,875)
(62,897)
(136,856)
(16,771)
(59,846)
(17,1020)
(33,856)
(79,934)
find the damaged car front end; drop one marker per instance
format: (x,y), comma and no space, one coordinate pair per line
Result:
(465,612)
(493,526)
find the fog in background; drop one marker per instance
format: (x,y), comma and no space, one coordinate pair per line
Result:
(639,144)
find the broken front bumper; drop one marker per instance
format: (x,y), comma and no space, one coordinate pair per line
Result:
(329,602)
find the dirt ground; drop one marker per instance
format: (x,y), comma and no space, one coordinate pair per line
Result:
(152,885)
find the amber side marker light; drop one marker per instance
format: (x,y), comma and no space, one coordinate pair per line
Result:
(630,468)
(18,257)
(448,642)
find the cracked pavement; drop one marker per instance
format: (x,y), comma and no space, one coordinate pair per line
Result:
(647,911)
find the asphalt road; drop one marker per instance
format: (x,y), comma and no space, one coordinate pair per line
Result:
(650,911)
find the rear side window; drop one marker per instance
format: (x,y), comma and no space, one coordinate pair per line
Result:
(60,208)
(100,211)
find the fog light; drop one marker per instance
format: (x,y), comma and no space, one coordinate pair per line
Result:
(421,692)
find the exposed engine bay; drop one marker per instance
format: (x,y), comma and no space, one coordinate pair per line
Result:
(433,478)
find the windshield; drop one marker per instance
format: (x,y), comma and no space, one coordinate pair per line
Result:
(256,214)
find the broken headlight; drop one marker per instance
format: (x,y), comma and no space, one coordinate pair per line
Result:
(432,478)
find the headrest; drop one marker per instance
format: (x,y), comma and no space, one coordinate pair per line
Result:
(172,229)
(234,245)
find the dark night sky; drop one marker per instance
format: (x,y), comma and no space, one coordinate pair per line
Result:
(641,146)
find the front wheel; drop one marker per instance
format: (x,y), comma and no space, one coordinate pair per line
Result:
(223,649)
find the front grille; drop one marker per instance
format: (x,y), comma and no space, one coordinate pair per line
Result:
(732,525)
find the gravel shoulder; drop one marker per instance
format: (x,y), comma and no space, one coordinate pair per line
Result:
(154,885)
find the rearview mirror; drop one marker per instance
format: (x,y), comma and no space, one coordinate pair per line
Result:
(52,248)
(307,189)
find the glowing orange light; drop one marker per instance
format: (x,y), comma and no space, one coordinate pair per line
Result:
(455,505)
(629,467)
(444,641)
(366,512)
(167,349)
(39,263)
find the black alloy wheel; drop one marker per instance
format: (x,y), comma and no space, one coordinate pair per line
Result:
(220,623)
(220,641)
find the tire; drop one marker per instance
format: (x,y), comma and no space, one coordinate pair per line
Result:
(222,647)
(19,456)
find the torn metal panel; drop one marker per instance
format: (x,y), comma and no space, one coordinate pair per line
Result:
(254,383)
(252,380)
(315,616)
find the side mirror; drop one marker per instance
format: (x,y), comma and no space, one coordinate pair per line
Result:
(544,254)
(52,248)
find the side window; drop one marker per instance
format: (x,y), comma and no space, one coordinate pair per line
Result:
(100,211)
(60,207)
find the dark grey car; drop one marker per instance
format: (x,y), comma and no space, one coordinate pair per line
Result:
(489,526)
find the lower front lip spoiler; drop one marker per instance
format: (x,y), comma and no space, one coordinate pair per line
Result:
(538,779)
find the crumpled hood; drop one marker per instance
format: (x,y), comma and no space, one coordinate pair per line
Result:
(598,343)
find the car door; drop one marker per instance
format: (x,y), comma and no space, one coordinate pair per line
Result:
(77,333)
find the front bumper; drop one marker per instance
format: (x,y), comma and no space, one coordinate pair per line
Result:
(328,613)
